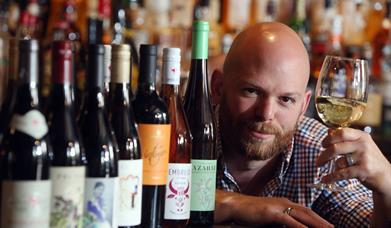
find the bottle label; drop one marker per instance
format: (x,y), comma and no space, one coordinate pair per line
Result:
(67,196)
(155,146)
(171,72)
(204,185)
(101,202)
(130,190)
(177,206)
(25,204)
(32,123)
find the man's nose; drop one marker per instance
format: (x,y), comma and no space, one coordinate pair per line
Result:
(264,109)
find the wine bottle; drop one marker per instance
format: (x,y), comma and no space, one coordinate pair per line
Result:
(199,114)
(124,126)
(68,167)
(26,186)
(8,104)
(100,146)
(154,131)
(177,205)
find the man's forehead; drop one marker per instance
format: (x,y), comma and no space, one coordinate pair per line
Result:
(269,83)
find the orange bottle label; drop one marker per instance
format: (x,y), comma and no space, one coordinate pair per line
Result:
(155,147)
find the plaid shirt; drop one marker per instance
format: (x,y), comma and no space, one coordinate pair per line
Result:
(352,208)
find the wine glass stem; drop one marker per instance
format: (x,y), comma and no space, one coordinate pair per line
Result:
(334,159)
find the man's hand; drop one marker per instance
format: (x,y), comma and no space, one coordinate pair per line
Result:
(369,166)
(257,211)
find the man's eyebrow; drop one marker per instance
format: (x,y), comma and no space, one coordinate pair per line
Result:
(248,83)
(287,94)
(292,94)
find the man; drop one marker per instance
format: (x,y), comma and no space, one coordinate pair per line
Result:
(270,153)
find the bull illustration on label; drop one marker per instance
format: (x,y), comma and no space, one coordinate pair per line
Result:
(179,194)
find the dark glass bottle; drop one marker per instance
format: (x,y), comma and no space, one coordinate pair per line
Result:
(177,201)
(124,125)
(26,186)
(199,114)
(154,131)
(100,146)
(95,30)
(68,168)
(8,104)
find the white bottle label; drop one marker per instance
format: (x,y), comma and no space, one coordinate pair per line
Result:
(178,188)
(100,202)
(32,123)
(67,196)
(25,204)
(130,189)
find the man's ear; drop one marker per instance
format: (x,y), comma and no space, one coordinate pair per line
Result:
(216,86)
(307,98)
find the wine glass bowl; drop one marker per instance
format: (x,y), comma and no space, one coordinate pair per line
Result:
(340,96)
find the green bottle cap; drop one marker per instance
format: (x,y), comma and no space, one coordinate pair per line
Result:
(200,40)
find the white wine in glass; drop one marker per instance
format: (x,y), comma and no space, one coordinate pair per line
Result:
(340,97)
(338,112)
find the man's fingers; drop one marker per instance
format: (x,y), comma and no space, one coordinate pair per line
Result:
(345,174)
(333,150)
(341,135)
(308,217)
(289,221)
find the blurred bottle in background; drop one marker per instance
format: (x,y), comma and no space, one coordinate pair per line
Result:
(68,170)
(28,150)
(122,119)
(101,147)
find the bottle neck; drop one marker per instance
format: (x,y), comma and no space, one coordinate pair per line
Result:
(120,89)
(120,71)
(95,98)
(62,68)
(170,90)
(146,88)
(171,75)
(147,76)
(62,94)
(27,92)
(28,67)
(199,44)
(27,98)
(95,72)
(198,81)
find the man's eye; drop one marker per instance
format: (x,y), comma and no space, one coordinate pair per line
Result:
(287,100)
(250,90)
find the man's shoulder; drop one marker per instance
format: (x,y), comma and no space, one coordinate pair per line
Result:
(310,132)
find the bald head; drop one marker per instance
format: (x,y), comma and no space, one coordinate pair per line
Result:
(265,45)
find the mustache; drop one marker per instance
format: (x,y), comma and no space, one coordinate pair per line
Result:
(265,128)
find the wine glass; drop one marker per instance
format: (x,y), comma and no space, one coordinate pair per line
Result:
(340,97)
